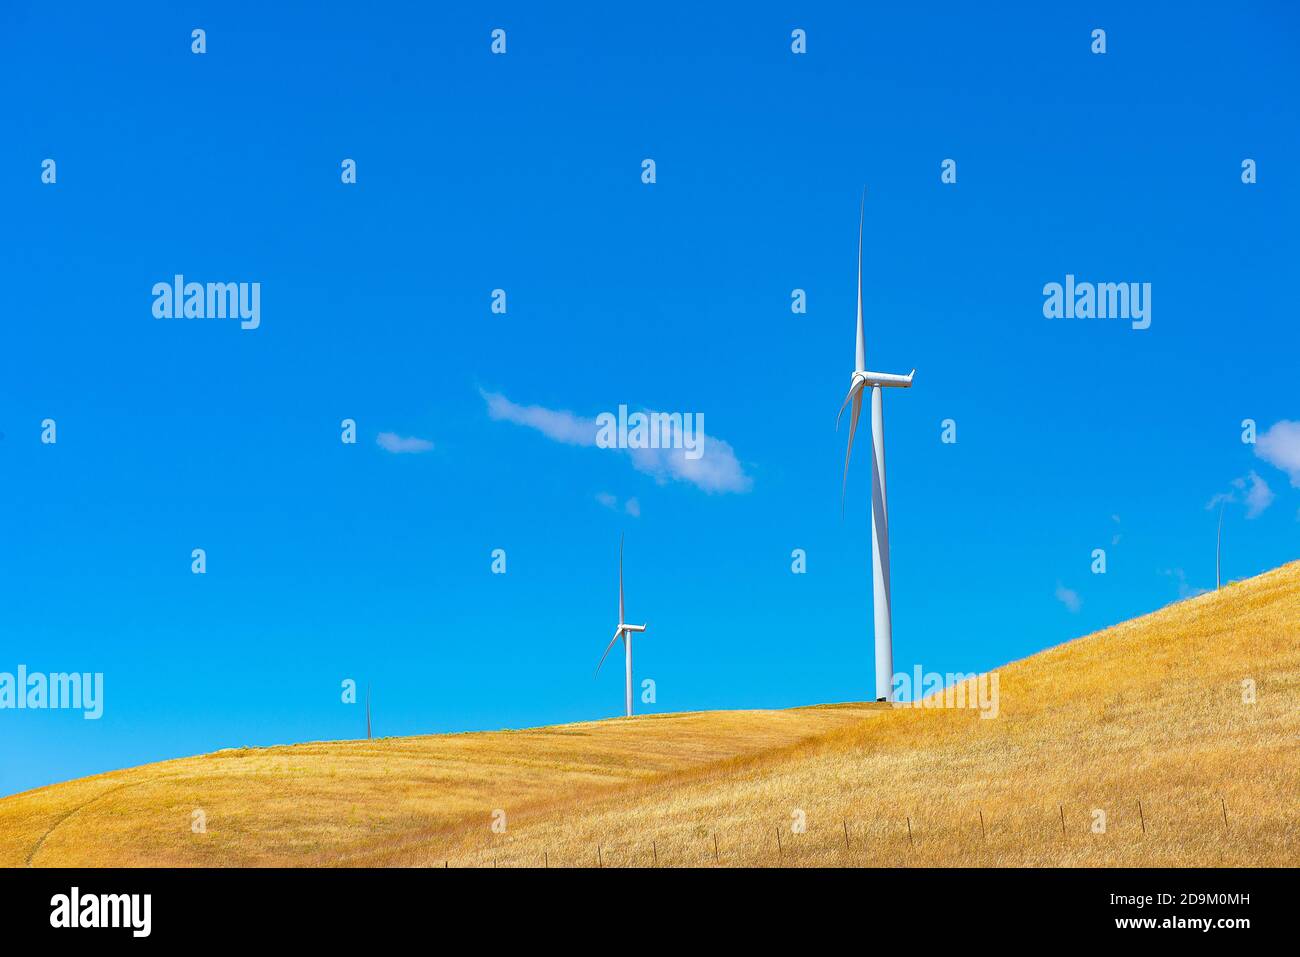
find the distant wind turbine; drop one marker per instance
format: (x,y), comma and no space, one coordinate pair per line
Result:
(879,512)
(1218,547)
(367,711)
(623,631)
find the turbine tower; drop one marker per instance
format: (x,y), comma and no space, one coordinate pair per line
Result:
(1218,548)
(623,631)
(861,379)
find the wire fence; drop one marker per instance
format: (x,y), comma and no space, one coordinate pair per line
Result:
(881,841)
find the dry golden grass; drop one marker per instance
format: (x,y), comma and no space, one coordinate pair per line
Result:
(1150,710)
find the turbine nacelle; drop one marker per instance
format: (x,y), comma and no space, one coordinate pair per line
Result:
(885,379)
(631,627)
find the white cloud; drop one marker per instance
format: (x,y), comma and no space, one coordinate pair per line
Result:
(558,425)
(631,506)
(392,442)
(717,469)
(1220,497)
(1185,589)
(1280,446)
(1257,497)
(1068,597)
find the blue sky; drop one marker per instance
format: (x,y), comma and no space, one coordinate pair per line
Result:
(523,172)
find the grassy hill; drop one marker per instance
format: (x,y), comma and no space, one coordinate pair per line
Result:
(1148,711)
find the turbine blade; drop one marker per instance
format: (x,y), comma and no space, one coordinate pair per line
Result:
(860,354)
(856,387)
(853,427)
(620,579)
(617,633)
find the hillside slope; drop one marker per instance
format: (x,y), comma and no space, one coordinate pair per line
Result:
(1148,711)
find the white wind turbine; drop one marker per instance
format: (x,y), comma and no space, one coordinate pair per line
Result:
(1218,548)
(623,631)
(879,511)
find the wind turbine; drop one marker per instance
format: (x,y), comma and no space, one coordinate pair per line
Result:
(623,631)
(879,512)
(1218,547)
(367,711)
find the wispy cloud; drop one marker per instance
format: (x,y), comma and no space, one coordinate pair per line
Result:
(392,442)
(717,469)
(1258,497)
(1185,589)
(1069,598)
(1219,498)
(1280,446)
(560,425)
(1251,490)
(631,506)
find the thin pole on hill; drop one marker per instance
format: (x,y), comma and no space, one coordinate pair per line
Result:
(654,849)
(600,861)
(1225,813)
(1218,547)
(715,848)
(909,834)
(1142,818)
(546,860)
(1062,810)
(983,833)
(778,842)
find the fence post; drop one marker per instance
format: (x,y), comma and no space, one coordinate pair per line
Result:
(909,834)
(715,848)
(983,833)
(1225,813)
(1142,818)
(654,849)
(1062,810)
